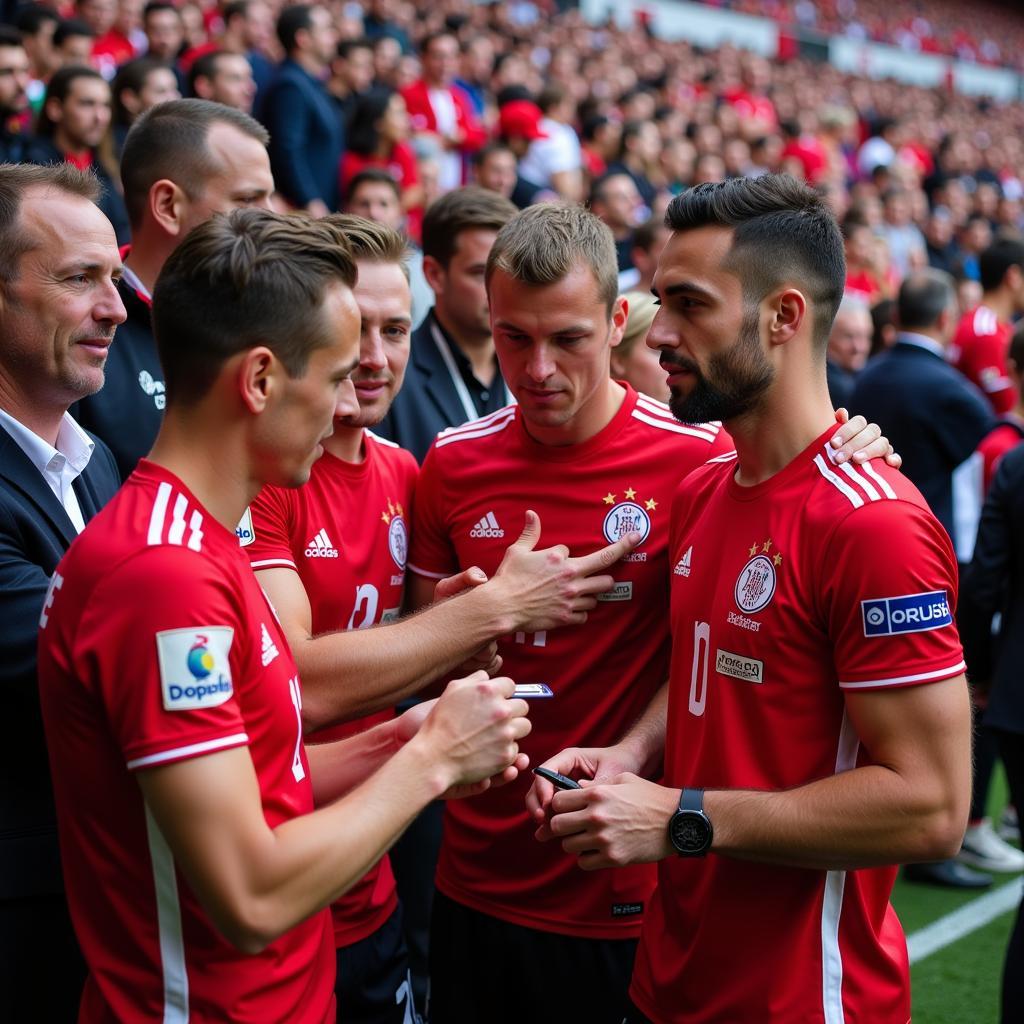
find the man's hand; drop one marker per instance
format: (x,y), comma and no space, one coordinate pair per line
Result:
(408,724)
(471,733)
(858,441)
(584,764)
(486,658)
(623,821)
(545,589)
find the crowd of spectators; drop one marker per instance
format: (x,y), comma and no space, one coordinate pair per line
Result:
(984,33)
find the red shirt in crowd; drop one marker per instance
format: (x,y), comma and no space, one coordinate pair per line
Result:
(979,351)
(401,165)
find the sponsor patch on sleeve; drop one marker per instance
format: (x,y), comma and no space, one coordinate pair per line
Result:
(194,667)
(909,613)
(245,531)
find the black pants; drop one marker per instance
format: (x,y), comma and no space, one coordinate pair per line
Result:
(483,969)
(41,968)
(373,984)
(1011,748)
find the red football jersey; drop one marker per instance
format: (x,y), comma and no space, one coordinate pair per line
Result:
(996,443)
(158,645)
(344,533)
(477,482)
(822,579)
(979,353)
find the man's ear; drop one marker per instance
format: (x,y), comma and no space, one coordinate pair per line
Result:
(258,378)
(167,203)
(788,315)
(620,315)
(435,274)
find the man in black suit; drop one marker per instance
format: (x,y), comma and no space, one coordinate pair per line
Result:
(59,307)
(935,418)
(453,374)
(995,582)
(304,120)
(183,161)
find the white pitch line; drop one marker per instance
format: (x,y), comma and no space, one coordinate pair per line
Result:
(968,918)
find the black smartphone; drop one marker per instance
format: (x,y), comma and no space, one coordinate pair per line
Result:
(560,781)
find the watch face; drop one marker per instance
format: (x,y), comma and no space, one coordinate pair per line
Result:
(690,833)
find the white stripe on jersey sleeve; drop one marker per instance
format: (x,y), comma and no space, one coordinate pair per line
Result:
(206,747)
(168,916)
(920,677)
(879,479)
(466,435)
(845,489)
(675,428)
(266,563)
(156,520)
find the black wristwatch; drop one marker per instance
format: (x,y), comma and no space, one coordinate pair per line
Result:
(689,829)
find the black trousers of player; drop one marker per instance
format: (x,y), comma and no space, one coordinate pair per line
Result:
(41,968)
(373,985)
(483,969)
(1011,748)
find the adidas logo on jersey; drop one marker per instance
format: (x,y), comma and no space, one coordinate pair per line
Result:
(269,649)
(487,527)
(321,547)
(683,565)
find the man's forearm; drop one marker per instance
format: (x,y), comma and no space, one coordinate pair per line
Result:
(859,818)
(645,741)
(336,768)
(350,674)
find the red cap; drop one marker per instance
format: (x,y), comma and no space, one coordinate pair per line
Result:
(521,117)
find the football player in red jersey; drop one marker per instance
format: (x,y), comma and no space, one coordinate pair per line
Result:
(983,335)
(816,726)
(197,869)
(598,461)
(331,556)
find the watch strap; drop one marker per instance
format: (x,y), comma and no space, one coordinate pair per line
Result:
(692,800)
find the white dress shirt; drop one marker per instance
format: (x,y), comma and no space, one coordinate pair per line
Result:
(60,466)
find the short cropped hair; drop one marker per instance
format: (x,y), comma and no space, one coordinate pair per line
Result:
(15,181)
(997,259)
(290,22)
(463,209)
(923,297)
(376,175)
(132,77)
(70,28)
(371,242)
(782,231)
(543,243)
(169,141)
(247,278)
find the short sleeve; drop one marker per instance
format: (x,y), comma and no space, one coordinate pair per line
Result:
(269,524)
(165,644)
(431,552)
(890,583)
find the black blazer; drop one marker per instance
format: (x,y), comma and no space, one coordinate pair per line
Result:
(932,414)
(428,402)
(306,137)
(35,531)
(994,581)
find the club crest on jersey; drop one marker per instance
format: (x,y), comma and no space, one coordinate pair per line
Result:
(755,585)
(631,515)
(398,536)
(194,667)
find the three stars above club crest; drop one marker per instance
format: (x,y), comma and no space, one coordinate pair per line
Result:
(765,548)
(393,509)
(630,495)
